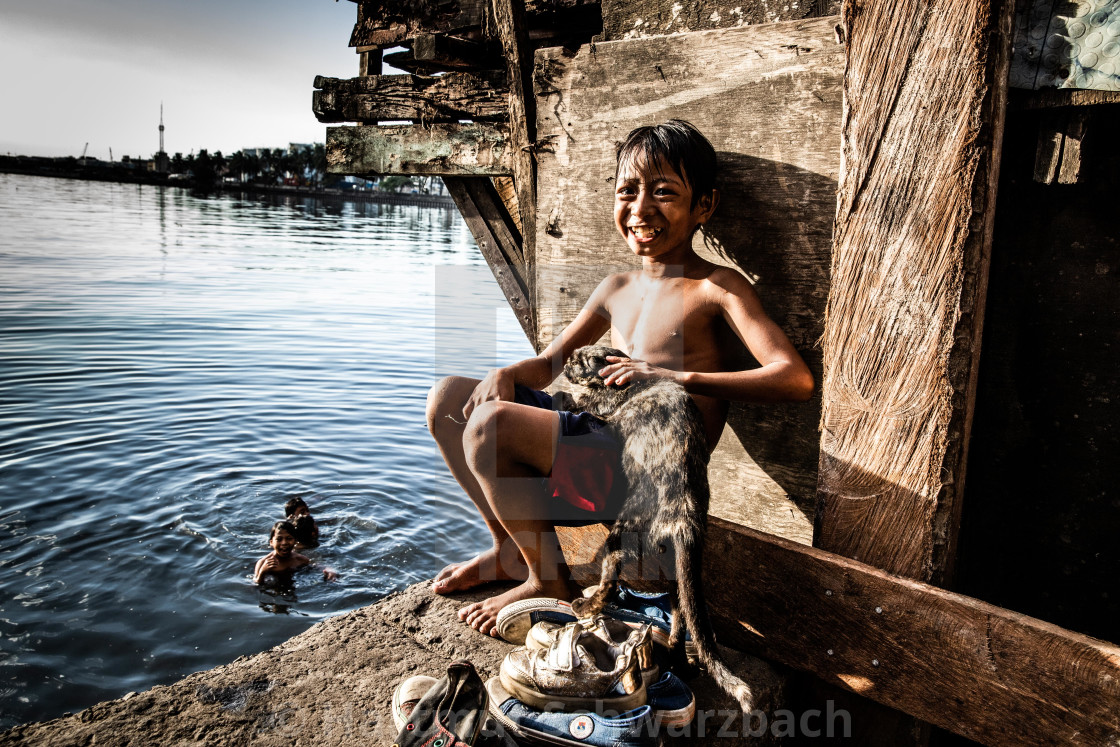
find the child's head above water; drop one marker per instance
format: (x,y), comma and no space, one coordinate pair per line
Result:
(282,538)
(676,144)
(296,507)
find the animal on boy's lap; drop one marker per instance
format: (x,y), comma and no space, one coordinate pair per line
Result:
(664,515)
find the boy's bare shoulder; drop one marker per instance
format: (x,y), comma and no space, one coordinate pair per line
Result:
(721,279)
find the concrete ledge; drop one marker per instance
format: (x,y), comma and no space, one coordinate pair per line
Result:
(332,685)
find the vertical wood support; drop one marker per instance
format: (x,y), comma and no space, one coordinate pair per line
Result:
(498,239)
(508,18)
(369,61)
(924,100)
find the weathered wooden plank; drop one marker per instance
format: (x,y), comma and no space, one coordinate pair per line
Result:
(498,239)
(916,200)
(511,32)
(987,673)
(446,98)
(1019,100)
(439,150)
(913,231)
(633,19)
(451,53)
(389,22)
(769,98)
(506,191)
(369,62)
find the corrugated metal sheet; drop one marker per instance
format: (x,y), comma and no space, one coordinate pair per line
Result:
(1067,44)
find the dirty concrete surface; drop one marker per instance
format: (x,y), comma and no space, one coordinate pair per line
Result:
(332,685)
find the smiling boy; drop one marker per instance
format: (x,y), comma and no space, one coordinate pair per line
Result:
(527,467)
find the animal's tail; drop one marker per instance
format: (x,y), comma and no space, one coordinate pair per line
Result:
(695,613)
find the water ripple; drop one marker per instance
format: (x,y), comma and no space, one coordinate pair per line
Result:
(172,370)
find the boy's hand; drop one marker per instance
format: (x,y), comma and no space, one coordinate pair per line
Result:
(628,370)
(496,387)
(329,575)
(270,563)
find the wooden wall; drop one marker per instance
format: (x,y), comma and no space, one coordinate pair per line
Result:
(769,99)
(633,19)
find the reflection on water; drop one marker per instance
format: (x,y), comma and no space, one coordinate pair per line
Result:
(172,370)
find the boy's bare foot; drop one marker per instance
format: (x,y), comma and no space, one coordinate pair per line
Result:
(482,615)
(481,569)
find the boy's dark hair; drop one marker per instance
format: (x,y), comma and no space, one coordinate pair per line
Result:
(681,146)
(284,524)
(294,503)
(305,531)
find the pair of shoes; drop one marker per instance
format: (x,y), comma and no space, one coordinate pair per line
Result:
(407,695)
(582,669)
(613,633)
(528,725)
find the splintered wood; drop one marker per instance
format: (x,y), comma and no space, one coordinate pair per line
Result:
(924,100)
(425,99)
(990,674)
(439,150)
(768,97)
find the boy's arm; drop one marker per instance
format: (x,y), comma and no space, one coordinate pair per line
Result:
(258,570)
(782,375)
(592,322)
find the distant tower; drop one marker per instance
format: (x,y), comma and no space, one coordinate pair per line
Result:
(162,162)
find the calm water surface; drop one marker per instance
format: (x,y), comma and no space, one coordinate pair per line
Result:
(172,369)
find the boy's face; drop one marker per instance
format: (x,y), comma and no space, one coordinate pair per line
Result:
(653,208)
(282,543)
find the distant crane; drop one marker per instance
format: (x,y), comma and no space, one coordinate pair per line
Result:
(84,152)
(110,155)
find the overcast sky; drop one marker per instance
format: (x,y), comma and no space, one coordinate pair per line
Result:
(231,74)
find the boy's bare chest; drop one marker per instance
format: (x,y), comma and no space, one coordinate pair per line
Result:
(662,325)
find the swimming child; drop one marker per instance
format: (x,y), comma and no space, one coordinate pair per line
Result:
(307,532)
(276,568)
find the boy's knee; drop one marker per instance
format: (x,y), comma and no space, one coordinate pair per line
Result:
(481,432)
(483,422)
(442,399)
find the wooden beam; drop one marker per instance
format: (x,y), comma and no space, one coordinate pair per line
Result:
(916,200)
(1050,98)
(990,674)
(634,19)
(1058,155)
(439,150)
(451,53)
(384,23)
(369,62)
(388,22)
(446,98)
(498,239)
(921,140)
(511,32)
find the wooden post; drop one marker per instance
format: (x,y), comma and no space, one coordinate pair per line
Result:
(924,99)
(509,27)
(369,61)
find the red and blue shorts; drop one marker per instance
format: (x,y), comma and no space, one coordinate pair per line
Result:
(586,478)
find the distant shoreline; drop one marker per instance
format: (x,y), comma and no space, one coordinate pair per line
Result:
(10,165)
